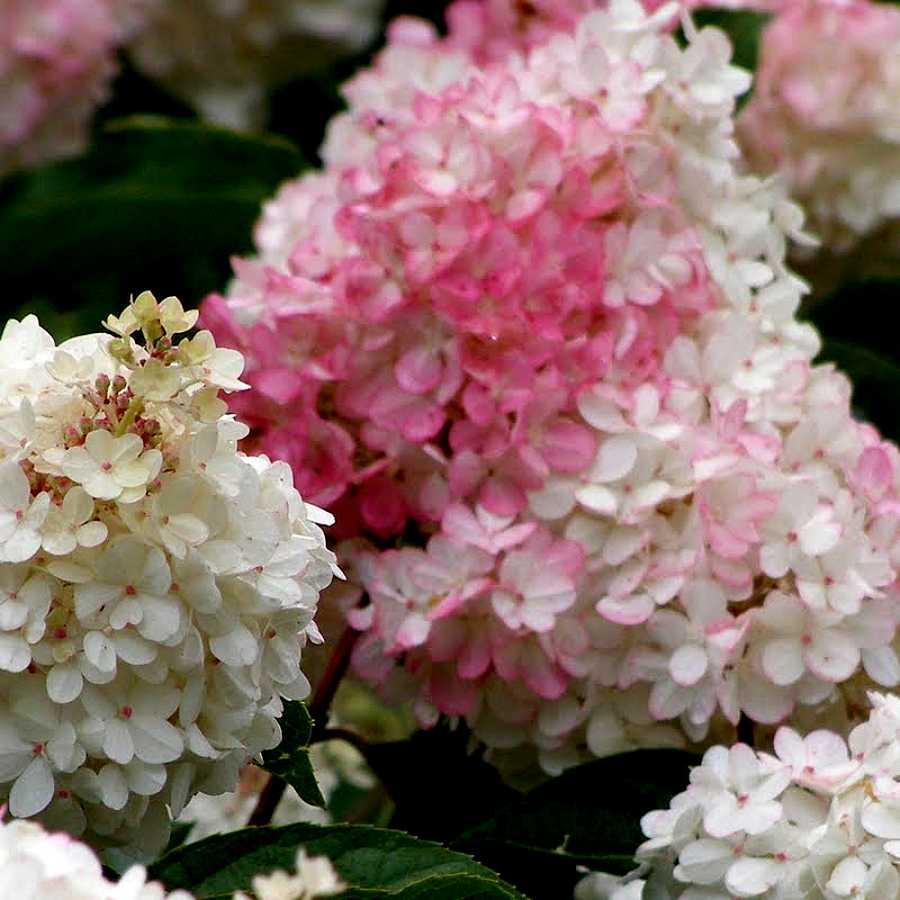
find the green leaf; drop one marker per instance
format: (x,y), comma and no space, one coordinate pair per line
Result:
(374,862)
(466,791)
(290,759)
(743,27)
(588,816)
(154,204)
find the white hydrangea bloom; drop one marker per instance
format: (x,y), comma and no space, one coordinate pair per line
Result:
(40,865)
(222,55)
(818,820)
(156,586)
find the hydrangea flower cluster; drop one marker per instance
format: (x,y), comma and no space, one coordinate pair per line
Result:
(824,112)
(818,820)
(57,58)
(156,585)
(531,334)
(221,56)
(40,865)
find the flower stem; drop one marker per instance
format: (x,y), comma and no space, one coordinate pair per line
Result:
(270,796)
(331,679)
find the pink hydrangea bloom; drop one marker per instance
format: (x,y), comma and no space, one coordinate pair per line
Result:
(57,58)
(825,112)
(531,335)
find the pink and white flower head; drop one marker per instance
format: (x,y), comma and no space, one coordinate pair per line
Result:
(156,585)
(57,59)
(41,865)
(818,820)
(222,56)
(824,113)
(531,334)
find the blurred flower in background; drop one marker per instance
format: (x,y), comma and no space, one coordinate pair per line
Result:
(825,113)
(57,60)
(222,56)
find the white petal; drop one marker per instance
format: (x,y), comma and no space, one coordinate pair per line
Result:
(705,861)
(615,459)
(688,664)
(597,498)
(882,821)
(117,742)
(832,656)
(749,877)
(64,683)
(848,877)
(782,661)
(155,740)
(15,654)
(236,648)
(33,789)
(100,652)
(114,787)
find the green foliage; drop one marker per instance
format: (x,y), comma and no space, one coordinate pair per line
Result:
(374,862)
(588,816)
(290,760)
(155,204)
(454,780)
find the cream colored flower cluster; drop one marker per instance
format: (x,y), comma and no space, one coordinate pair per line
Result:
(156,585)
(37,865)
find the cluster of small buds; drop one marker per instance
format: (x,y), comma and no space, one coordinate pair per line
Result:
(825,114)
(156,585)
(39,865)
(818,820)
(57,59)
(532,336)
(222,56)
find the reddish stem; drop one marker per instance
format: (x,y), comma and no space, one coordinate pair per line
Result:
(270,796)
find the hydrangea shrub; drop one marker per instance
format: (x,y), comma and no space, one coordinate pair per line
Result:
(156,585)
(531,333)
(817,818)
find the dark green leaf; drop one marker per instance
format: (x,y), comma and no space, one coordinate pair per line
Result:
(155,204)
(290,759)
(589,816)
(374,862)
(455,781)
